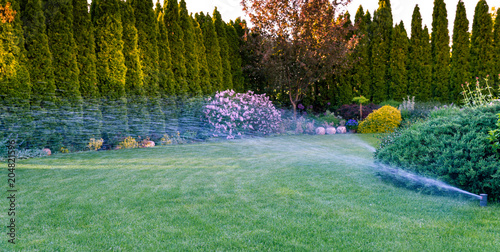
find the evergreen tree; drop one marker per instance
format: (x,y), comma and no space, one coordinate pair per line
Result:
(459,69)
(202,59)
(110,66)
(398,61)
(147,32)
(481,42)
(192,63)
(425,89)
(83,33)
(39,59)
(496,46)
(361,69)
(235,58)
(175,41)
(15,85)
(418,72)
(213,51)
(440,42)
(380,48)
(167,83)
(219,25)
(59,21)
(138,116)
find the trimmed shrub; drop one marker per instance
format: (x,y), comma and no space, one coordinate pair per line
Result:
(382,120)
(453,148)
(351,111)
(234,114)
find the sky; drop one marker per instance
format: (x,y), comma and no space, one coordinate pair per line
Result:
(402,10)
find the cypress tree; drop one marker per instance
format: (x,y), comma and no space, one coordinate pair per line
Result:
(192,63)
(440,46)
(15,85)
(459,69)
(175,41)
(138,116)
(213,51)
(39,59)
(398,61)
(235,58)
(59,21)
(361,77)
(219,25)
(147,32)
(425,90)
(418,69)
(110,66)
(202,59)
(382,30)
(496,46)
(83,33)
(481,42)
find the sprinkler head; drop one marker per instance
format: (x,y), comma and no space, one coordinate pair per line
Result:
(483,200)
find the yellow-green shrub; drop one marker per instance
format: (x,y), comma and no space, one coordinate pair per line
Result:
(382,120)
(128,143)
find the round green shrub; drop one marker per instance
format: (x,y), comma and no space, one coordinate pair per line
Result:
(382,120)
(453,148)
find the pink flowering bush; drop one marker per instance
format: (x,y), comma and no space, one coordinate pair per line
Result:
(234,114)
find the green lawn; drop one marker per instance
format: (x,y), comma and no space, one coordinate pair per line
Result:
(293,193)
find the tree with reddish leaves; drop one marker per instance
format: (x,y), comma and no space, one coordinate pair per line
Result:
(304,41)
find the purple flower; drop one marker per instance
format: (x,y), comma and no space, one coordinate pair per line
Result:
(300,106)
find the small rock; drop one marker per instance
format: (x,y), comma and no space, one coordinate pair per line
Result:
(47,151)
(320,131)
(330,130)
(149,144)
(341,129)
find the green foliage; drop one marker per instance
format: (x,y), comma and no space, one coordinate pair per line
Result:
(234,57)
(205,85)
(383,120)
(213,51)
(398,82)
(220,30)
(175,35)
(110,67)
(453,148)
(496,45)
(440,46)
(494,137)
(138,116)
(392,103)
(479,95)
(167,83)
(481,63)
(191,55)
(361,77)
(459,68)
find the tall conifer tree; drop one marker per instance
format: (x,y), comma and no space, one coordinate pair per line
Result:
(202,59)
(110,66)
(398,61)
(83,33)
(425,90)
(380,49)
(213,51)
(147,32)
(459,69)
(138,116)
(481,42)
(59,20)
(227,78)
(440,41)
(361,77)
(496,47)
(234,58)
(176,44)
(192,64)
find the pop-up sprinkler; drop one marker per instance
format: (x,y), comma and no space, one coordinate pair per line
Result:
(483,200)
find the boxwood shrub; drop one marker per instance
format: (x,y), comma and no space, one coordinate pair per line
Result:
(452,148)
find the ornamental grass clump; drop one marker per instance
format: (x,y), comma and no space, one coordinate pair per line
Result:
(234,114)
(383,120)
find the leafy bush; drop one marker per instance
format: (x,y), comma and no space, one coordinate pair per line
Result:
(234,114)
(351,111)
(94,144)
(328,118)
(453,148)
(128,143)
(392,103)
(382,120)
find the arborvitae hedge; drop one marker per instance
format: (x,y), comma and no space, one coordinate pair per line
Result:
(481,42)
(110,66)
(380,48)
(398,62)
(415,62)
(147,32)
(192,63)
(167,83)
(496,46)
(426,90)
(59,20)
(175,41)
(459,69)
(213,51)
(361,77)
(219,25)
(235,57)
(138,116)
(83,33)
(205,85)
(440,41)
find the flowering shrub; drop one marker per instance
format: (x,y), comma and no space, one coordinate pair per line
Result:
(95,144)
(128,143)
(382,120)
(352,124)
(478,96)
(234,114)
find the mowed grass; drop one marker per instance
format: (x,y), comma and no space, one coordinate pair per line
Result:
(293,193)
